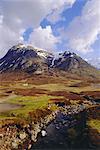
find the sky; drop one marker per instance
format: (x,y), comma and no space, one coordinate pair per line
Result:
(54,25)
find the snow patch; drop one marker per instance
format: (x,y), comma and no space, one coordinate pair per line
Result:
(52,62)
(42,54)
(11,65)
(21,46)
(71,55)
(2,63)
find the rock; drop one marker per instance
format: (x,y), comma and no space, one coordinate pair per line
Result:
(44,133)
(1,135)
(14,145)
(7,129)
(29,147)
(22,136)
(57,127)
(33,138)
(33,135)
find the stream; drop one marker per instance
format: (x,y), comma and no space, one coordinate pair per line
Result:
(65,132)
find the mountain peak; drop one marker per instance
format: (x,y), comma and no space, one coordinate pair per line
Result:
(18,46)
(24,47)
(26,58)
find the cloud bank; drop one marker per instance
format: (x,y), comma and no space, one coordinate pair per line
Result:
(83,31)
(18,15)
(43,38)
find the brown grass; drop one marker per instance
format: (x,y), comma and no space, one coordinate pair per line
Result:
(94,94)
(30,92)
(67,95)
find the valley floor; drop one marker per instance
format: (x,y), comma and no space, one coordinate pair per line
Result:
(28,105)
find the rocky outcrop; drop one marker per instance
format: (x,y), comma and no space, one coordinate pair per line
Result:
(15,137)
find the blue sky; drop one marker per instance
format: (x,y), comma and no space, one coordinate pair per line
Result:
(52,25)
(68,15)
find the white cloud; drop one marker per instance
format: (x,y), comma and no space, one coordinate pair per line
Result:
(7,38)
(83,30)
(95,62)
(59,6)
(30,12)
(1,19)
(18,15)
(43,38)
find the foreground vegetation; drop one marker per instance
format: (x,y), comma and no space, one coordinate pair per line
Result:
(34,102)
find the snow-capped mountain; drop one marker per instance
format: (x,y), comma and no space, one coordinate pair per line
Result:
(25,58)
(34,60)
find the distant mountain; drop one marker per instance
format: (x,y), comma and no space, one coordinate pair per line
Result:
(38,61)
(71,62)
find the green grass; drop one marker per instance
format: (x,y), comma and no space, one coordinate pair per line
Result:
(28,103)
